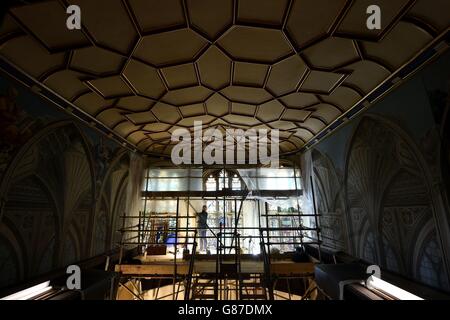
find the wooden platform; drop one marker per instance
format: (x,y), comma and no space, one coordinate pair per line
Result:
(153,269)
(290,268)
(164,266)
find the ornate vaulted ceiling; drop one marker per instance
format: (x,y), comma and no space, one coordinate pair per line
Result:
(146,67)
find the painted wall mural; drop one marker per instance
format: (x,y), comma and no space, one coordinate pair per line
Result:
(62,187)
(381,182)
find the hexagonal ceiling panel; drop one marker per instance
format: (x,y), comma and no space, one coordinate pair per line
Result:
(146,67)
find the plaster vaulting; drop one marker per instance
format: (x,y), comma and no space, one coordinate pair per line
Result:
(144,68)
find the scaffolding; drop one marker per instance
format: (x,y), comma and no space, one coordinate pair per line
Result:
(227,273)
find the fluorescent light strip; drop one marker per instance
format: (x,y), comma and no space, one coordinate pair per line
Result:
(30,292)
(390,289)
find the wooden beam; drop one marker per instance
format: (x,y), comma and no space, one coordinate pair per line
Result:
(151,269)
(301,268)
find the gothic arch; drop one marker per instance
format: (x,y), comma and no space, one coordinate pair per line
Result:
(215,173)
(15,162)
(22,165)
(382,160)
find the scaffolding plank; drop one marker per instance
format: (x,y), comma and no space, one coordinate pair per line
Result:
(297,268)
(152,269)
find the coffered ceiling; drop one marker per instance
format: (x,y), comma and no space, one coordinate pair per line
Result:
(146,67)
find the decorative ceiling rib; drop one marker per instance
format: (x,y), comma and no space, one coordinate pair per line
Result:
(146,67)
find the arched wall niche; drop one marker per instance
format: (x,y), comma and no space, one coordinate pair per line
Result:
(49,189)
(387,185)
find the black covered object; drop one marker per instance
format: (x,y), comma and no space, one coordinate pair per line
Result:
(96,284)
(329,276)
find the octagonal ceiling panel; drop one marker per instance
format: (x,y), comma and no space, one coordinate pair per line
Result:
(189,122)
(295,115)
(92,103)
(171,47)
(96,61)
(188,95)
(141,117)
(71,78)
(110,87)
(299,100)
(241,120)
(144,79)
(159,136)
(432,12)
(217,105)
(179,76)
(126,128)
(17,51)
(243,109)
(321,81)
(282,125)
(166,113)
(250,74)
(9,25)
(314,125)
(146,67)
(197,109)
(331,53)
(210,17)
(214,68)
(49,28)
(103,26)
(358,72)
(303,134)
(243,94)
(399,45)
(255,44)
(134,104)
(310,21)
(153,15)
(270,111)
(157,127)
(344,97)
(326,112)
(354,22)
(137,137)
(285,76)
(265,12)
(111,116)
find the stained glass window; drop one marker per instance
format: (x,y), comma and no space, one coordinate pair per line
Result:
(211,184)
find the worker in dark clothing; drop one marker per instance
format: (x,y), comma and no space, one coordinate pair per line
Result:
(202,224)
